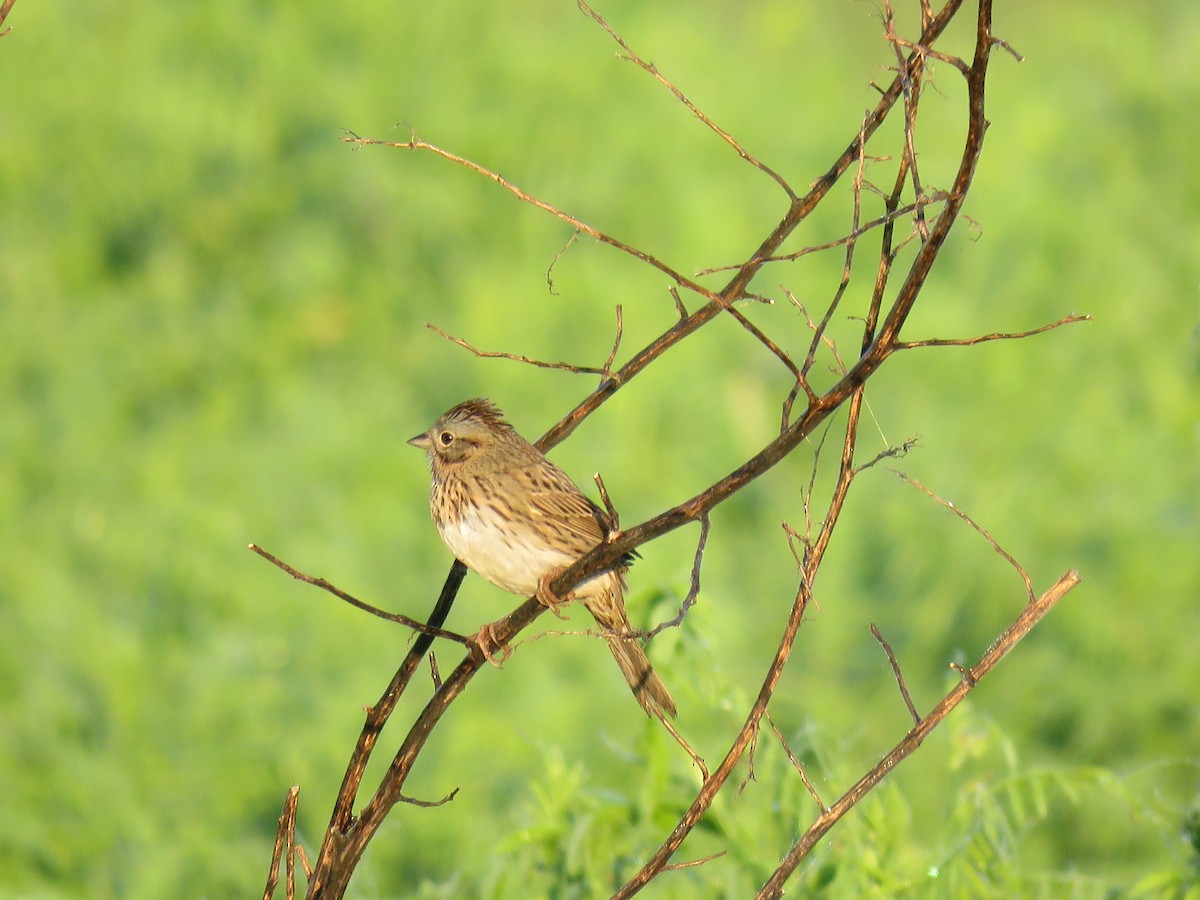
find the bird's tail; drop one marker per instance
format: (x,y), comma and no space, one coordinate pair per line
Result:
(608,609)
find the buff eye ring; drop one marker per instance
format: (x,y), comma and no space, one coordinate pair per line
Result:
(446,438)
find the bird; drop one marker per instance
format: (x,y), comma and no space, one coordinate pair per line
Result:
(512,516)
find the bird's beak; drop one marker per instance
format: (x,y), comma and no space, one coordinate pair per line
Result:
(421,440)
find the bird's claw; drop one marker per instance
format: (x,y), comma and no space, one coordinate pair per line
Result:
(485,639)
(547,597)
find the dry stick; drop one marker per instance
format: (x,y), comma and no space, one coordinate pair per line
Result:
(812,791)
(980,530)
(899,676)
(1029,617)
(612,355)
(694,588)
(342,845)
(285,839)
(497,354)
(400,618)
(557,256)
(652,70)
(416,143)
(1070,319)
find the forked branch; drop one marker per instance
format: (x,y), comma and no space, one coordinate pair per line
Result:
(1021,626)
(886,311)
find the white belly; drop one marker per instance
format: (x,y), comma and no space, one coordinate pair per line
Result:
(501,555)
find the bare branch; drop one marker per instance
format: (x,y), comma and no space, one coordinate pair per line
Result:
(435,674)
(766,342)
(416,143)
(679,307)
(691,864)
(557,256)
(887,648)
(856,214)
(888,453)
(614,517)
(808,785)
(285,839)
(612,356)
(697,759)
(693,592)
(1007,48)
(493,354)
(652,70)
(994,336)
(978,528)
(354,601)
(429,804)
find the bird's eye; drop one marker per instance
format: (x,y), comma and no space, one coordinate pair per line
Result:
(446,438)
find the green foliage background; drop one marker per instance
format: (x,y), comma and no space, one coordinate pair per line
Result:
(213,313)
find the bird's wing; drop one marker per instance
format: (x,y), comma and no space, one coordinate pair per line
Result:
(555,501)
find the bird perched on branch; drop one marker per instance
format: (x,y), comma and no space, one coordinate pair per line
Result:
(515,518)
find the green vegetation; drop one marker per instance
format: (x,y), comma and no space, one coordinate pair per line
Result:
(213,316)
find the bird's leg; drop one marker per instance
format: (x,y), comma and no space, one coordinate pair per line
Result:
(485,640)
(547,597)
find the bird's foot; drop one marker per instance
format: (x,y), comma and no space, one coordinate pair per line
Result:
(547,597)
(485,639)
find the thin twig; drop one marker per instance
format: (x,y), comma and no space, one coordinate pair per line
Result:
(679,307)
(812,791)
(495,354)
(614,517)
(692,863)
(848,259)
(435,673)
(428,804)
(697,759)
(416,143)
(887,649)
(612,356)
(888,453)
(994,336)
(324,585)
(285,839)
(557,256)
(653,71)
(693,591)
(983,532)
(1008,48)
